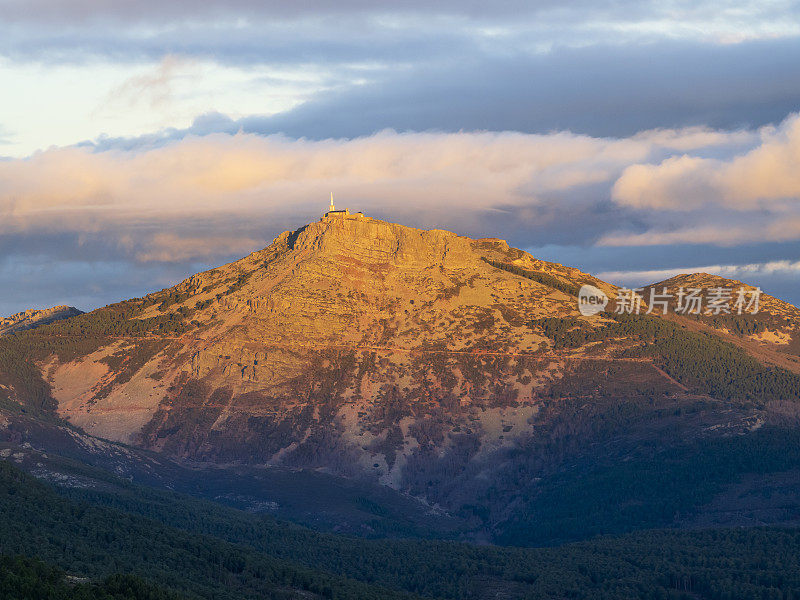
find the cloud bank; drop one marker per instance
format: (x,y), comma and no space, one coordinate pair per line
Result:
(201,200)
(619,137)
(351,69)
(749,196)
(194,183)
(761,177)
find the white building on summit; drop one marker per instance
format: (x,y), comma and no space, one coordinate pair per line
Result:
(332,212)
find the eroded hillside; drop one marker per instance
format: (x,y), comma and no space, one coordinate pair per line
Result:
(454,369)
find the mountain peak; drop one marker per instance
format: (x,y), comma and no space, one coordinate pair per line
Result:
(708,282)
(373,349)
(344,285)
(702,280)
(356,236)
(31,318)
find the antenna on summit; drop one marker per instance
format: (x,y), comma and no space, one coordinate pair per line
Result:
(342,213)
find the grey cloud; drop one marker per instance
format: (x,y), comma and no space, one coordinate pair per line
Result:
(325,33)
(40,281)
(155,11)
(613,90)
(596,259)
(150,10)
(204,200)
(605,91)
(39,269)
(6,136)
(310,44)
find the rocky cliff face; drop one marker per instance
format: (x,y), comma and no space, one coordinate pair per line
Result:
(424,360)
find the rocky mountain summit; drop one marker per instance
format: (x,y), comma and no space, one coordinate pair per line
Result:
(456,370)
(33,318)
(350,344)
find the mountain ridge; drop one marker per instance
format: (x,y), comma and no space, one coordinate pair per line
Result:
(455,370)
(284,291)
(28,319)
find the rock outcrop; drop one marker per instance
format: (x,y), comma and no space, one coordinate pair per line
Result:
(33,318)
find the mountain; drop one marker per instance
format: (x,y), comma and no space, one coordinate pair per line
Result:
(772,331)
(331,338)
(33,318)
(455,372)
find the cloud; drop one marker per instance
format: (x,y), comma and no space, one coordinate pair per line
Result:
(194,182)
(777,278)
(712,227)
(601,70)
(608,89)
(202,200)
(40,281)
(601,89)
(168,247)
(6,137)
(745,271)
(768,176)
(559,186)
(156,88)
(745,15)
(746,195)
(83,10)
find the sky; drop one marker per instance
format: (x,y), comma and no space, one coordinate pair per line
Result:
(143,142)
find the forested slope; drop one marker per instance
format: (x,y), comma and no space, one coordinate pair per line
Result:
(193,554)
